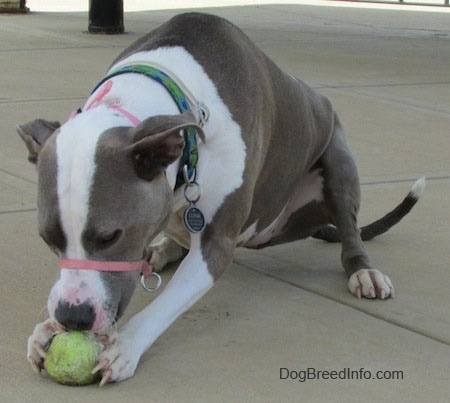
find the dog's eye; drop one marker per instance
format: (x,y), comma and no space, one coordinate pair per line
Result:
(110,238)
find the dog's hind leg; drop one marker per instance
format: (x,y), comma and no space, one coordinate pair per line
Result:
(163,252)
(342,197)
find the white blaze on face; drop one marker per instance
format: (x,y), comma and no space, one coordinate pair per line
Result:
(76,148)
(76,145)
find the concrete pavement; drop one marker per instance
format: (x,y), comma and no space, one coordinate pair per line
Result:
(387,73)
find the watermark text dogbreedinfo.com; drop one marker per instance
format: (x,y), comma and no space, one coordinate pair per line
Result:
(313,374)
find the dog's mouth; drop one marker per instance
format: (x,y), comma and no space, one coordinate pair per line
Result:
(91,300)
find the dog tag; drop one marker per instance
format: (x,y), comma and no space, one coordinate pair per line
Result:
(194,219)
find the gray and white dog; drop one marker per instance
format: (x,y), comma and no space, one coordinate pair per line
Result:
(260,156)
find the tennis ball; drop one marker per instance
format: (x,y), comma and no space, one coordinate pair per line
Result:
(71,357)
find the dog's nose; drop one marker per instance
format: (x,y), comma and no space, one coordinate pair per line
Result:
(75,317)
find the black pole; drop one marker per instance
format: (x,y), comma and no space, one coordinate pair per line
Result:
(106,16)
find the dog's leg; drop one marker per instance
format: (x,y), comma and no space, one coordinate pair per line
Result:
(165,251)
(342,196)
(210,254)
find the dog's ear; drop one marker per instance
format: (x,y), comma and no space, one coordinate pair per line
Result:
(158,142)
(35,134)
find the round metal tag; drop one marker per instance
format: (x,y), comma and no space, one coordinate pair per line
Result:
(194,219)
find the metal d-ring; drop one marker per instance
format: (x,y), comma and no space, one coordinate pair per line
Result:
(151,289)
(198,191)
(203,113)
(189,180)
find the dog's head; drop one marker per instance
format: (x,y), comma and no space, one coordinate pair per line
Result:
(102,195)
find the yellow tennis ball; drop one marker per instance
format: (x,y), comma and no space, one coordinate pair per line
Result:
(71,357)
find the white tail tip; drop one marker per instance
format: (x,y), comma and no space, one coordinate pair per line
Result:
(419,187)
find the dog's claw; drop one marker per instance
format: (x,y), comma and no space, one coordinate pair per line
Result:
(102,364)
(392,291)
(35,365)
(105,378)
(39,349)
(370,283)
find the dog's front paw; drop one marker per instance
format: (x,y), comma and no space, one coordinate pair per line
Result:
(370,283)
(39,341)
(118,361)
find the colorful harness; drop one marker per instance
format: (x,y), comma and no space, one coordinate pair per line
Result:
(190,152)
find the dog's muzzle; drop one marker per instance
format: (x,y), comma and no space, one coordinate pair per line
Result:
(141,265)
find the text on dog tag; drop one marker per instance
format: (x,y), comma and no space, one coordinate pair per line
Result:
(194,219)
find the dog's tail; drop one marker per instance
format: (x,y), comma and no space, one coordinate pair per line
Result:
(330,233)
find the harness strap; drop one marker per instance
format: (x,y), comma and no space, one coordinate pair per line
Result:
(190,152)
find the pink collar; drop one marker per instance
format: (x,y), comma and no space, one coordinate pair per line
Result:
(100,265)
(102,92)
